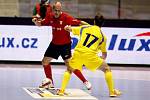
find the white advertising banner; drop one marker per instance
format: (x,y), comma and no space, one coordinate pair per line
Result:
(28,43)
(128,45)
(23,43)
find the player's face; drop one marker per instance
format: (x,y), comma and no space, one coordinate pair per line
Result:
(57,12)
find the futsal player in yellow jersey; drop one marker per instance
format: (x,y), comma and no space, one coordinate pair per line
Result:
(91,41)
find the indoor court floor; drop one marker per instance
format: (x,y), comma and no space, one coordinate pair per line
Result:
(134,82)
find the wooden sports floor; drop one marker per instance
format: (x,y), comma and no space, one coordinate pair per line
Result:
(134,82)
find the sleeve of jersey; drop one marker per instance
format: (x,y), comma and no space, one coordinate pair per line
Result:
(34,11)
(72,21)
(75,22)
(76,30)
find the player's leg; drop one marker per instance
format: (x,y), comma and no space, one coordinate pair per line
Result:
(87,84)
(109,80)
(93,62)
(48,81)
(66,55)
(51,53)
(71,66)
(78,73)
(47,67)
(65,81)
(66,78)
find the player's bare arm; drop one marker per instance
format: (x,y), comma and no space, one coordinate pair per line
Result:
(84,23)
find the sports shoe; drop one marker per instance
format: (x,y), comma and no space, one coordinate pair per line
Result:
(61,92)
(88,85)
(47,83)
(115,93)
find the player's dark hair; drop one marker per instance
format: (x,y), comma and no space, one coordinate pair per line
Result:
(44,1)
(99,20)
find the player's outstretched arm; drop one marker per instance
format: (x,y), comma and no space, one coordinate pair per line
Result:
(84,23)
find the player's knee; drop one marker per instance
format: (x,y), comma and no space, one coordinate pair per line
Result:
(70,69)
(45,62)
(66,62)
(106,69)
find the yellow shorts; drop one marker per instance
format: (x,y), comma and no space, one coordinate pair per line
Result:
(91,61)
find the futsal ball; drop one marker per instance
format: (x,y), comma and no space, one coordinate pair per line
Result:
(47,83)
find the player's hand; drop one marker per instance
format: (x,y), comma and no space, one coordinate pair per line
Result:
(38,22)
(68,28)
(34,20)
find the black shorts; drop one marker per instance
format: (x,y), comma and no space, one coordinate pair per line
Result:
(55,51)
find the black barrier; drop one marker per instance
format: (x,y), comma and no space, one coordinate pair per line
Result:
(15,21)
(123,23)
(107,23)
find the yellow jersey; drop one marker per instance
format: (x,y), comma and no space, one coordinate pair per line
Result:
(91,39)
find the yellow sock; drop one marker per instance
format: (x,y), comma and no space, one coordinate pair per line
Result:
(109,80)
(65,81)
